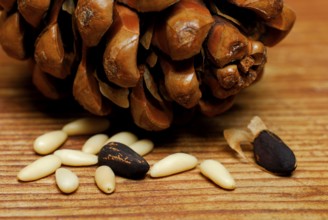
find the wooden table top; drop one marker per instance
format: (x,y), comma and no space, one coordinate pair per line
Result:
(292,98)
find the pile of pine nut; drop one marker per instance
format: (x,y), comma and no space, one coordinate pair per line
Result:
(67,181)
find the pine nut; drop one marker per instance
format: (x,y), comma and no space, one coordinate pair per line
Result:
(124,161)
(172,164)
(86,126)
(105,179)
(124,137)
(270,152)
(94,143)
(142,147)
(76,157)
(49,142)
(40,168)
(216,172)
(66,180)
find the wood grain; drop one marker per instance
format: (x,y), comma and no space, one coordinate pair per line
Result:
(292,98)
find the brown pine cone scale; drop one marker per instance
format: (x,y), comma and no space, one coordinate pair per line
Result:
(161,61)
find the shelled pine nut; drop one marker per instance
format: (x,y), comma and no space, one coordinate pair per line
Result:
(142,147)
(84,126)
(49,142)
(105,179)
(40,168)
(172,164)
(76,157)
(94,143)
(124,137)
(216,172)
(66,180)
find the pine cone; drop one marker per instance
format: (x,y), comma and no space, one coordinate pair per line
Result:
(161,60)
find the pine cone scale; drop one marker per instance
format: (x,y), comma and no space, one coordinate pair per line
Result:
(146,112)
(7,5)
(183,31)
(162,61)
(120,56)
(33,10)
(12,37)
(86,91)
(94,18)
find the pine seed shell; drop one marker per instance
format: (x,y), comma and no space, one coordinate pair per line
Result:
(216,172)
(94,143)
(66,180)
(123,160)
(40,168)
(49,142)
(85,126)
(105,179)
(76,157)
(172,164)
(273,154)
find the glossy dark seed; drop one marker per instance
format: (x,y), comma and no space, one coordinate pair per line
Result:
(123,160)
(273,154)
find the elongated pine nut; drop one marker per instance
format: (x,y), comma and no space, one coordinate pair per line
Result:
(86,126)
(66,180)
(49,142)
(142,147)
(40,168)
(94,143)
(216,172)
(76,157)
(105,179)
(172,164)
(124,137)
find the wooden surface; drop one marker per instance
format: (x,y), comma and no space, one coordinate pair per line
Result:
(292,99)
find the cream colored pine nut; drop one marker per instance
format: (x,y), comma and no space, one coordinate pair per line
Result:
(86,126)
(172,164)
(105,179)
(142,147)
(216,172)
(94,143)
(66,180)
(76,157)
(40,168)
(124,137)
(49,142)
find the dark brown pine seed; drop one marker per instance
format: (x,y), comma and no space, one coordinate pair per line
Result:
(273,154)
(124,161)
